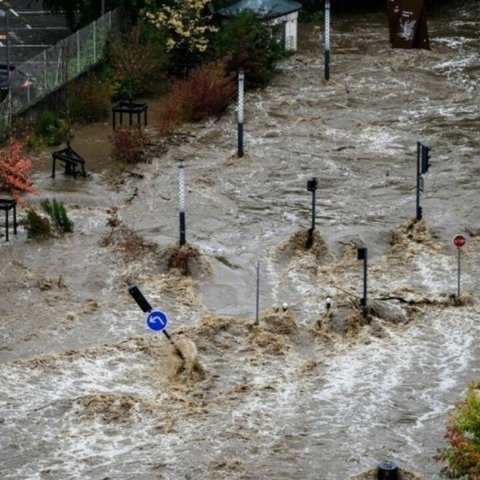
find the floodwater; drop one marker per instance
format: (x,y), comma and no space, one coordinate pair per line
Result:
(87,392)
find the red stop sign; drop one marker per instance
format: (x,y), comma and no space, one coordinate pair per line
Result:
(459,240)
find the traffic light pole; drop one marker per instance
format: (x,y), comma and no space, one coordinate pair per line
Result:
(423,157)
(419,208)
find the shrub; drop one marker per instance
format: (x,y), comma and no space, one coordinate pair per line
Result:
(36,225)
(14,170)
(187,27)
(58,214)
(207,91)
(248,41)
(181,258)
(125,240)
(138,62)
(463,436)
(53,129)
(128,144)
(90,99)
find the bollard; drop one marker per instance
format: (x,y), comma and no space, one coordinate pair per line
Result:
(181,198)
(241,87)
(387,471)
(327,39)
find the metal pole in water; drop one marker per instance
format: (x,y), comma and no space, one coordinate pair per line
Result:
(241,87)
(181,197)
(145,306)
(257,309)
(312,185)
(419,208)
(362,254)
(459,271)
(327,39)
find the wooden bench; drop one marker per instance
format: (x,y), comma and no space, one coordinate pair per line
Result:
(7,204)
(71,160)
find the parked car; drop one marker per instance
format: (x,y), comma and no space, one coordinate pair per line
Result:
(21,83)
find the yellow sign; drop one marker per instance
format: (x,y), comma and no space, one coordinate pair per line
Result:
(3,37)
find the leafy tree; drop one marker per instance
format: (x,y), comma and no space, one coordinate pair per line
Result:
(248,41)
(139,61)
(187,24)
(14,170)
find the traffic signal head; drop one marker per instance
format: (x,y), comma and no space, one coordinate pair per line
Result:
(362,253)
(312,184)
(425,152)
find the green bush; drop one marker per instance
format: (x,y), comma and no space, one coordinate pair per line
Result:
(52,128)
(250,46)
(463,436)
(58,213)
(37,226)
(137,62)
(91,99)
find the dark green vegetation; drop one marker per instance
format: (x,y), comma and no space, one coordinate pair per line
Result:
(463,437)
(58,214)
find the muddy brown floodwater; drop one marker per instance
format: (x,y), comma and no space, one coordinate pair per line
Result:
(87,392)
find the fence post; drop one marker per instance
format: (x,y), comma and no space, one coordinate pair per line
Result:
(45,70)
(78,51)
(94,42)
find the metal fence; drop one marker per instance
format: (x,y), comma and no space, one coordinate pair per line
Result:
(54,67)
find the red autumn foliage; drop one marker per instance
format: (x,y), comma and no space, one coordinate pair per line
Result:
(208,90)
(15,170)
(128,144)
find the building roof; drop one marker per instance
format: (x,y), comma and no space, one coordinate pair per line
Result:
(264,8)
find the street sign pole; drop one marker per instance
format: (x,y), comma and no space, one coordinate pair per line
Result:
(459,269)
(156,320)
(257,309)
(459,241)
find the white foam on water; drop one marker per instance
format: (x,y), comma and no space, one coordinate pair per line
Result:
(32,394)
(368,386)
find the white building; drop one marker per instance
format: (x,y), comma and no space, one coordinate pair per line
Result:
(281,15)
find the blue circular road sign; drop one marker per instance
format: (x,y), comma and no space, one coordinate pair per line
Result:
(157,320)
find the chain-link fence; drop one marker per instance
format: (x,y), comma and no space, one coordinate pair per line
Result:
(54,67)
